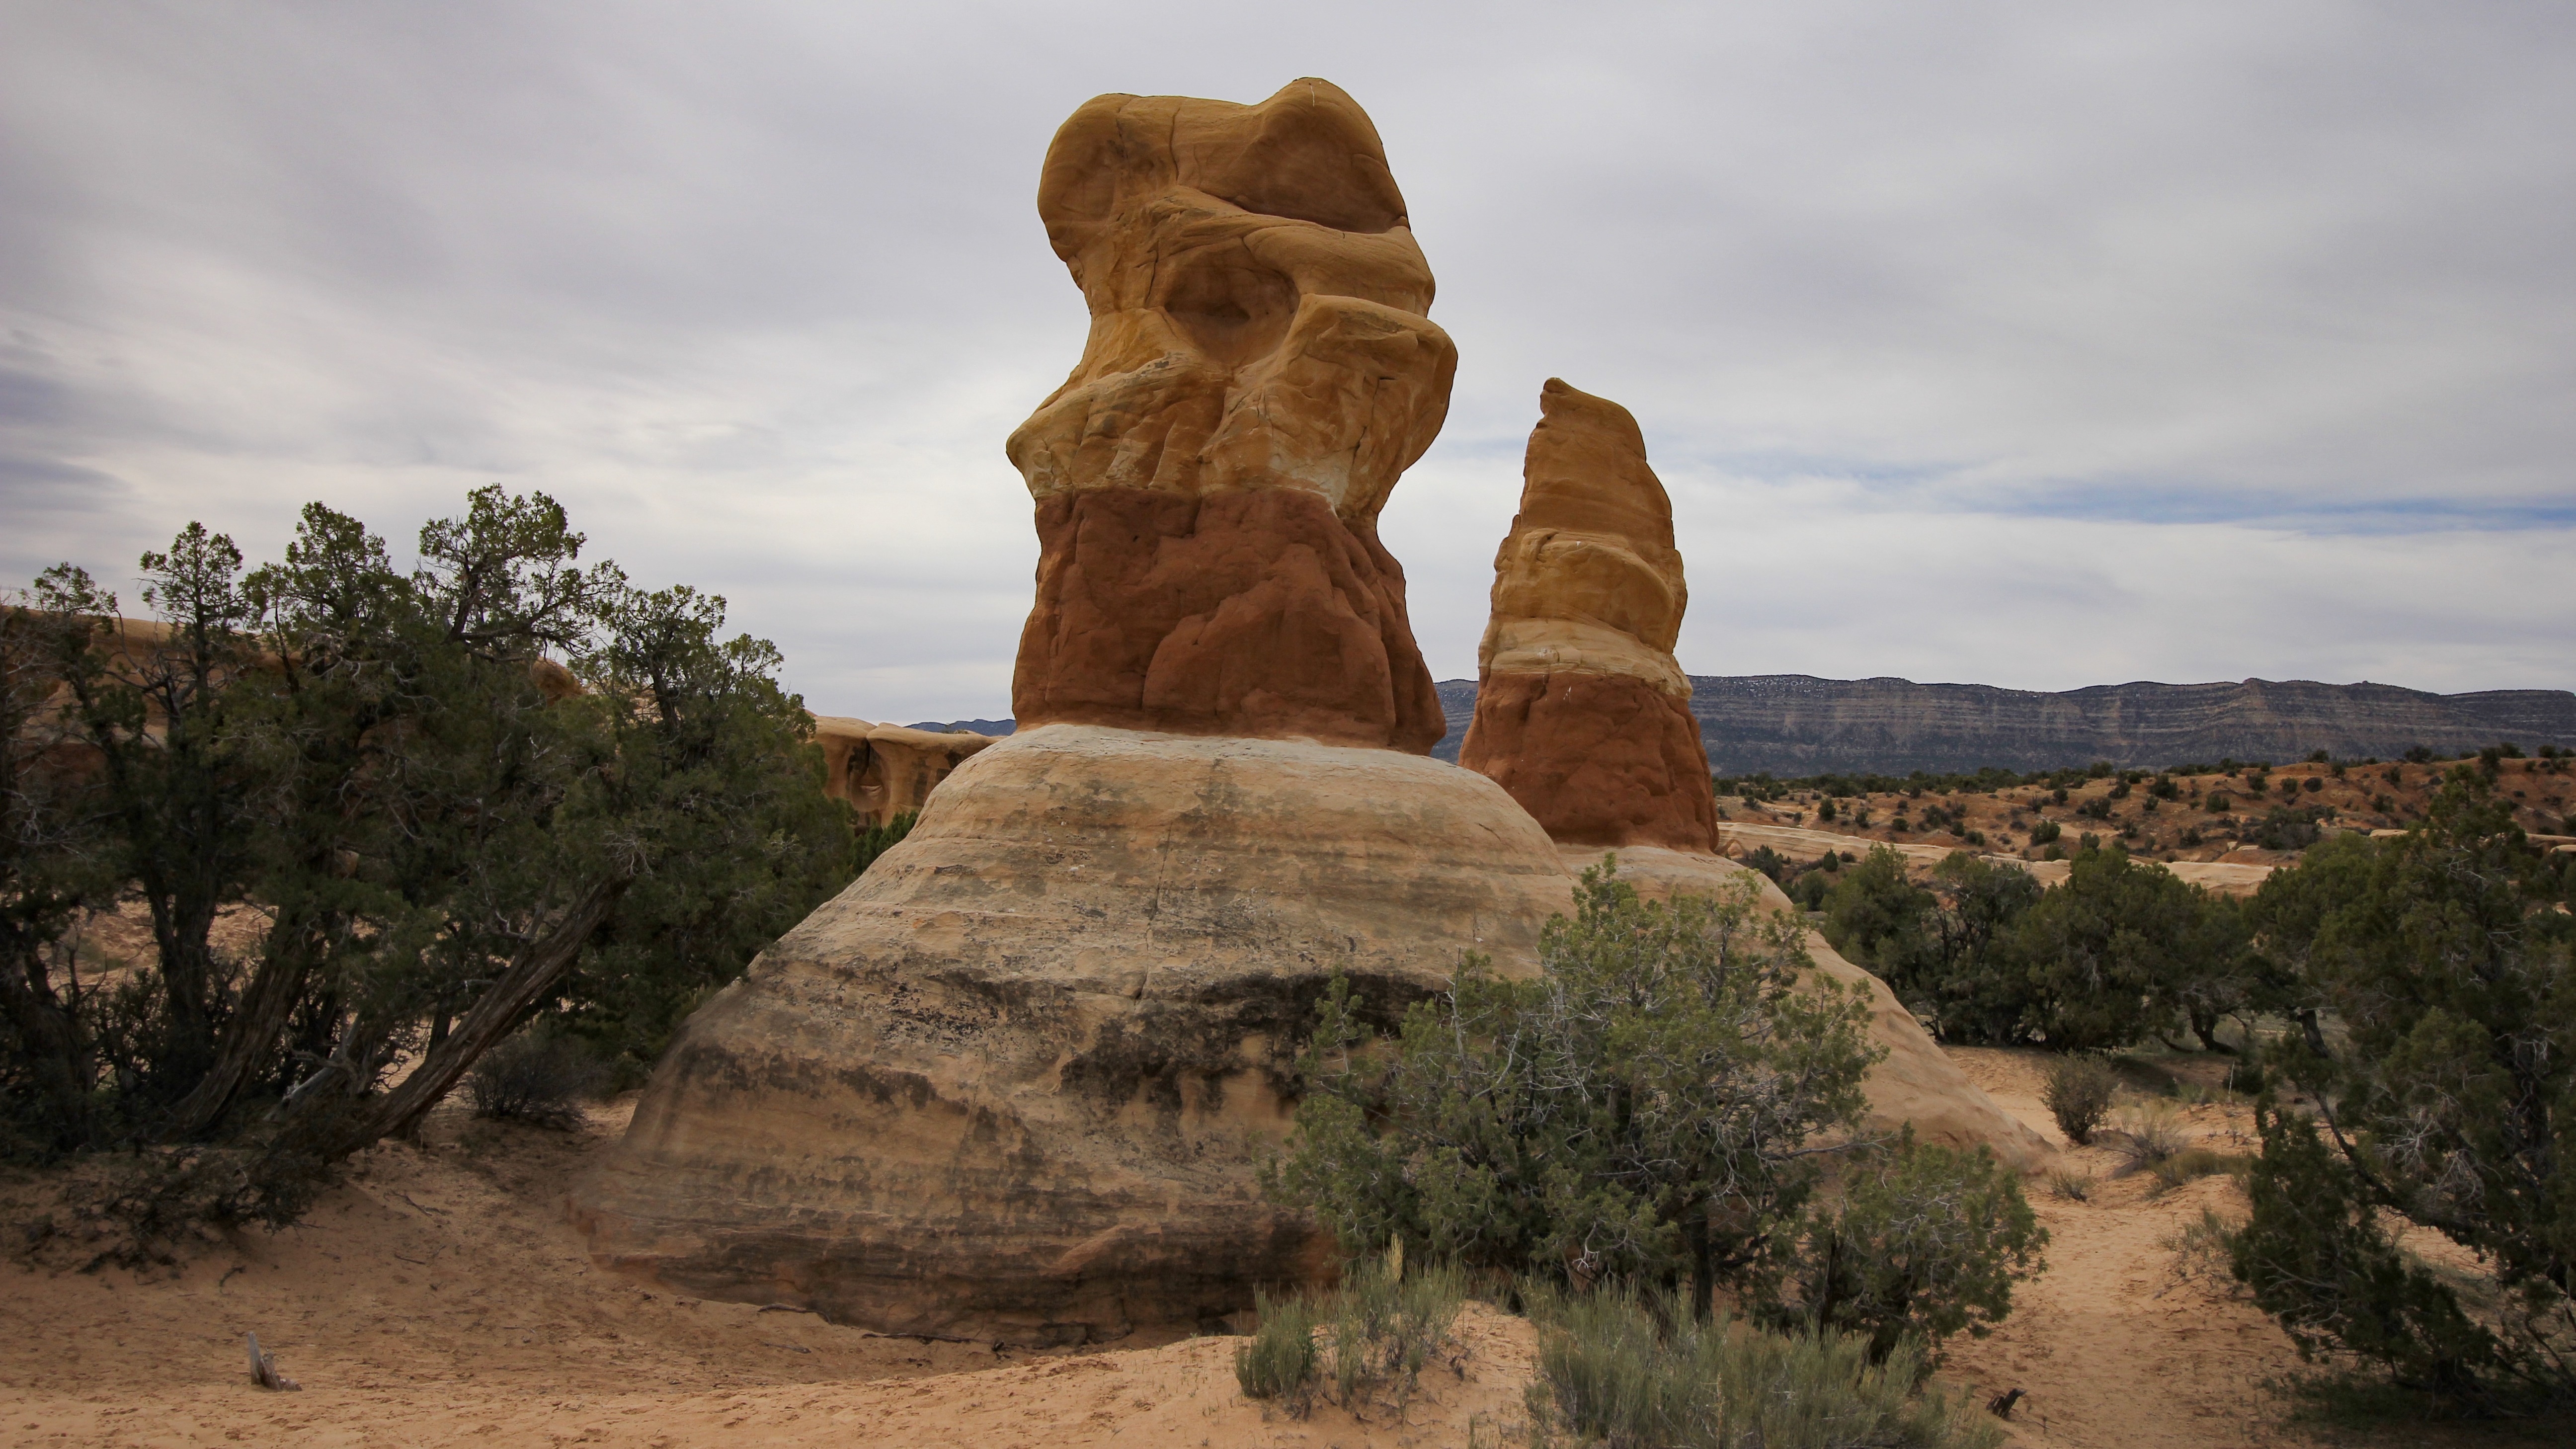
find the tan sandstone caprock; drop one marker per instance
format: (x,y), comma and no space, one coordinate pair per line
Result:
(1581,711)
(1014,1084)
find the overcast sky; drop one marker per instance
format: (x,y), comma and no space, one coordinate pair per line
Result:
(2031,345)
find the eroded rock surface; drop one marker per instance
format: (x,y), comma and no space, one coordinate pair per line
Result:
(1258,374)
(1581,711)
(1013,1084)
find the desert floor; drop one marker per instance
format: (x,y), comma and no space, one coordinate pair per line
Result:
(439,1298)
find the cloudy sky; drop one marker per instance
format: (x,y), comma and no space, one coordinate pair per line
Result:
(2039,346)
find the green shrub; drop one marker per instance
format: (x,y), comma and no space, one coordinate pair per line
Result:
(1614,1369)
(2447,958)
(2078,1095)
(2044,831)
(1280,1362)
(1922,1242)
(2318,1261)
(1641,1109)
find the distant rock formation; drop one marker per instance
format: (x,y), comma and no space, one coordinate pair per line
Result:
(1582,714)
(1795,724)
(1208,481)
(1014,1083)
(989,728)
(1582,718)
(887,770)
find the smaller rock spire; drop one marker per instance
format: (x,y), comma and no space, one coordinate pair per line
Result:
(1582,712)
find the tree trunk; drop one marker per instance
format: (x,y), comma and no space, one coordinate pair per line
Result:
(51,1041)
(540,967)
(251,1033)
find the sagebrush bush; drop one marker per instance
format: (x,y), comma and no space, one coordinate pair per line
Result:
(2078,1095)
(1620,1370)
(1280,1361)
(536,1079)
(1374,1334)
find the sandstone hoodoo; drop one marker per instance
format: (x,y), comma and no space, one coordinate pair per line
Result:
(1581,711)
(1583,714)
(1013,1084)
(1259,372)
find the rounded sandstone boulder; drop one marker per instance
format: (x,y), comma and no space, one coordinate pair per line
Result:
(1015,1082)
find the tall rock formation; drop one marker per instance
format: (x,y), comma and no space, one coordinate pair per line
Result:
(1014,1082)
(1259,372)
(1583,714)
(1581,711)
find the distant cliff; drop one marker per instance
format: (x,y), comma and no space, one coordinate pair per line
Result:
(1796,724)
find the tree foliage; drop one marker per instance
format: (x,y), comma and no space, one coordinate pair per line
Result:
(496,786)
(1644,1109)
(2120,952)
(2442,960)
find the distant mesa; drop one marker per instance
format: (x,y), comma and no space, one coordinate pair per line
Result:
(989,728)
(1795,724)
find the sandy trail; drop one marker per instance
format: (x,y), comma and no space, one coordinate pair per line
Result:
(440,1298)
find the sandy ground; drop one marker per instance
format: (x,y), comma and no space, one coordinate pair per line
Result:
(439,1298)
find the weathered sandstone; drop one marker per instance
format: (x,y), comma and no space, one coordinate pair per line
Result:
(1258,374)
(886,770)
(1014,1082)
(1581,711)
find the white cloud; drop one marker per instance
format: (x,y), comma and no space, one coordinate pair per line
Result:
(2033,347)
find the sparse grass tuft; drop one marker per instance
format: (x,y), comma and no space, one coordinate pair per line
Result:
(2202,1254)
(1619,1370)
(2150,1133)
(2078,1095)
(2196,1162)
(2069,1184)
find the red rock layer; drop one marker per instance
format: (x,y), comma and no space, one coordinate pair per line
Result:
(1259,615)
(1598,759)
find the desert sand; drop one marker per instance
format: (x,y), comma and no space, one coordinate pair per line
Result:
(440,1297)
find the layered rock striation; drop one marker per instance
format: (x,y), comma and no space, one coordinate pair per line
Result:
(1013,1084)
(1581,711)
(1796,724)
(1259,372)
